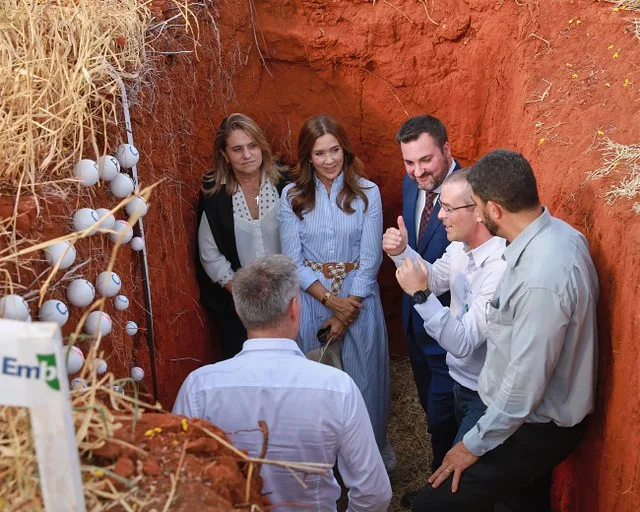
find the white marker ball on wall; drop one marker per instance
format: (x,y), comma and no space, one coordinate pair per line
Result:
(137,373)
(87,172)
(54,311)
(127,155)
(109,222)
(131,328)
(122,185)
(108,167)
(56,252)
(101,366)
(80,293)
(98,322)
(137,243)
(85,218)
(79,383)
(118,227)
(14,307)
(137,206)
(121,302)
(108,284)
(75,359)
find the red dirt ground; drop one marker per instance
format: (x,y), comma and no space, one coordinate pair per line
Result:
(482,67)
(208,476)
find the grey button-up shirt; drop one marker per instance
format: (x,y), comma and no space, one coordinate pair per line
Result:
(542,336)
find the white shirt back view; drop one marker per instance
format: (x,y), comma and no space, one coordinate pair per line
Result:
(314,413)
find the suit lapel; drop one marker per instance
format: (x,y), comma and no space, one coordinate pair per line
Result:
(409,212)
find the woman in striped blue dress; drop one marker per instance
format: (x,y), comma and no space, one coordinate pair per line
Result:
(331,226)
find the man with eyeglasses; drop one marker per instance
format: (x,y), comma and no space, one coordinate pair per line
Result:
(470,269)
(427,159)
(539,376)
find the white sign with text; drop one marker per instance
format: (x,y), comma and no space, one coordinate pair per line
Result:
(33,374)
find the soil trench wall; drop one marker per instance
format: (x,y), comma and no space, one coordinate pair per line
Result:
(525,77)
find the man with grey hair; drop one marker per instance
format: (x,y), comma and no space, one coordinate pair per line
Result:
(314,413)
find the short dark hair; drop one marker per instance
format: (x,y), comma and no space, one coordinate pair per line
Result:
(505,177)
(413,127)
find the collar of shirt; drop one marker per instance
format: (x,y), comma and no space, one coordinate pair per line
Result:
(480,254)
(336,185)
(514,250)
(279,344)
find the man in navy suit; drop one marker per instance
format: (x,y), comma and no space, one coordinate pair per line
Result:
(428,161)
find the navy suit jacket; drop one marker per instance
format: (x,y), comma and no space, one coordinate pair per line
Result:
(431,247)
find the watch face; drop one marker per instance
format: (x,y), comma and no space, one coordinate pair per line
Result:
(419,297)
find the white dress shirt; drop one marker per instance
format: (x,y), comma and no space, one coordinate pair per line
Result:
(542,339)
(422,198)
(314,413)
(472,276)
(255,238)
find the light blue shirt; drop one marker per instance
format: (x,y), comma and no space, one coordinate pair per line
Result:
(314,413)
(542,342)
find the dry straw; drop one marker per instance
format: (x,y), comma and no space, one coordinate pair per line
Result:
(57,95)
(622,160)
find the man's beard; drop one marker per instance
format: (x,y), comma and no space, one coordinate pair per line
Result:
(491,226)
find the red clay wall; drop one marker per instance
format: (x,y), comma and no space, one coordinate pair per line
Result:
(483,70)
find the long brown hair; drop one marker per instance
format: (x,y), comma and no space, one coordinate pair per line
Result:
(222,174)
(303,193)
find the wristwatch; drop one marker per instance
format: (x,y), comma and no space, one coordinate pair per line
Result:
(421,296)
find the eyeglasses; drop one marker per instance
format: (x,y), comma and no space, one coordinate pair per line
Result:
(448,209)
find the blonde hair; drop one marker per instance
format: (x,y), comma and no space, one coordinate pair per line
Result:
(222,174)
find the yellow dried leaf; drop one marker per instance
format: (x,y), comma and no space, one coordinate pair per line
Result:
(607,84)
(569,65)
(575,75)
(541,141)
(600,132)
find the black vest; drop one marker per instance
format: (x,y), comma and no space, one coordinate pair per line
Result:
(219,211)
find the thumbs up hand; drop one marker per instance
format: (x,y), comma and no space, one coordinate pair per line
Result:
(395,240)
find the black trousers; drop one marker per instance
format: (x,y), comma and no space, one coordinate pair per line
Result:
(516,474)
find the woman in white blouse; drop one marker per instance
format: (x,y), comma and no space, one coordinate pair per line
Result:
(237,219)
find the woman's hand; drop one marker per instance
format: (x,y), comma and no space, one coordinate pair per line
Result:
(345,309)
(338,329)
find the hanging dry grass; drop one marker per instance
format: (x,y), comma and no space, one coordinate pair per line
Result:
(57,94)
(623,160)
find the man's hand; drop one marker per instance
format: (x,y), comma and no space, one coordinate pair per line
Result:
(455,461)
(413,276)
(395,240)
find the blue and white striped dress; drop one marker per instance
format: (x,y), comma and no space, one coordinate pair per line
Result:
(327,234)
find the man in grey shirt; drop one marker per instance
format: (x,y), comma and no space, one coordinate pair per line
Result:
(538,381)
